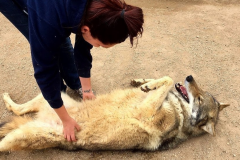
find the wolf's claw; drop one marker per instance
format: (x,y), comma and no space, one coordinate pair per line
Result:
(135,83)
(145,89)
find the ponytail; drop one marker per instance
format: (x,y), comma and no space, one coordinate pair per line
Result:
(134,20)
(112,21)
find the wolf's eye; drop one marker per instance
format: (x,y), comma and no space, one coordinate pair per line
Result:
(210,118)
(203,121)
(199,100)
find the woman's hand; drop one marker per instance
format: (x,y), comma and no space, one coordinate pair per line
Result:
(69,124)
(88,94)
(87,89)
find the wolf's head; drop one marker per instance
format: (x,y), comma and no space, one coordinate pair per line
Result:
(205,108)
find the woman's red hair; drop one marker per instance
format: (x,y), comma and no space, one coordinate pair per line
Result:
(112,21)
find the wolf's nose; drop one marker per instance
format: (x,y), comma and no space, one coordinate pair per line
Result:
(189,78)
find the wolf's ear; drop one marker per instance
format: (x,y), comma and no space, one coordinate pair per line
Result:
(209,128)
(223,105)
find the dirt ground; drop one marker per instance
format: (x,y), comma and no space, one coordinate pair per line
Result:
(196,37)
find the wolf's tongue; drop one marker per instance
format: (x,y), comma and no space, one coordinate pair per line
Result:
(183,89)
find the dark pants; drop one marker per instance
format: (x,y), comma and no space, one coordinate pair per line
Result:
(19,18)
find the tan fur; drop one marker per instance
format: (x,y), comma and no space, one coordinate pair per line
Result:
(122,119)
(15,122)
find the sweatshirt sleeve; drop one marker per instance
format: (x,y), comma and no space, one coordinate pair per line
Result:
(44,40)
(83,57)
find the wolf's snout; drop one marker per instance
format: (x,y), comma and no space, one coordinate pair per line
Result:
(189,78)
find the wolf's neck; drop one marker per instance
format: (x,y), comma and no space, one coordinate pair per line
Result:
(185,111)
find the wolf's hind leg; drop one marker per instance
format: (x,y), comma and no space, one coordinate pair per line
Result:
(32,135)
(139,82)
(20,109)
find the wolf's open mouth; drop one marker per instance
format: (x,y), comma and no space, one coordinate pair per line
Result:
(182,90)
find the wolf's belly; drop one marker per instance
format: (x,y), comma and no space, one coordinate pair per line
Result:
(125,134)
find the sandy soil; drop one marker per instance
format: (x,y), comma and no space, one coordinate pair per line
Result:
(180,38)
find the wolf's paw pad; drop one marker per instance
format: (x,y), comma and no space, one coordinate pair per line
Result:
(6,97)
(135,83)
(146,88)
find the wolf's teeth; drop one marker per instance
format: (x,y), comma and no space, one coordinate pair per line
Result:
(180,83)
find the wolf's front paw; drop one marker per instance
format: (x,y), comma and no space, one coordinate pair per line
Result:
(6,98)
(135,83)
(139,82)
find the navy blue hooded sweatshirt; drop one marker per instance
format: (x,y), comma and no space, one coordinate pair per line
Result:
(50,23)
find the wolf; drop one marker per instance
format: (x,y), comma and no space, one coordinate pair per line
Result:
(150,116)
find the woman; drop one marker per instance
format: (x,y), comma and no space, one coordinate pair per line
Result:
(48,24)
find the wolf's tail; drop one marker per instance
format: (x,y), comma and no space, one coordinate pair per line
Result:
(12,124)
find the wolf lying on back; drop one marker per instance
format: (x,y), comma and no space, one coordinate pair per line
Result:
(123,119)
